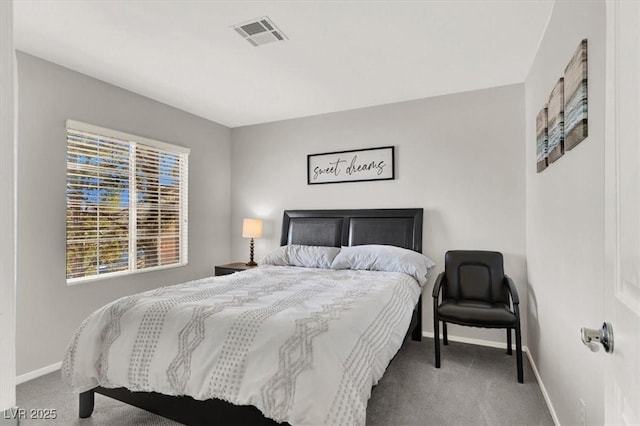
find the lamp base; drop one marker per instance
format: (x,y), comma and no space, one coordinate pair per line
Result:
(251,262)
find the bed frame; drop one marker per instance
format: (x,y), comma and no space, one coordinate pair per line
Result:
(398,227)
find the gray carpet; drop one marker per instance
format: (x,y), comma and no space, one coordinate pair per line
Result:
(475,386)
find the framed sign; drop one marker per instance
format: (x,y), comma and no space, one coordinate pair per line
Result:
(357,165)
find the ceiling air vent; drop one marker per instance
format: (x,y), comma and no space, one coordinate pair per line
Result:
(260,31)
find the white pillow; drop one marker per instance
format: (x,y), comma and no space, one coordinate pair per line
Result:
(385,258)
(312,256)
(277,257)
(299,255)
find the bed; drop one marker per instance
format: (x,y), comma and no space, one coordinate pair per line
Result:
(281,349)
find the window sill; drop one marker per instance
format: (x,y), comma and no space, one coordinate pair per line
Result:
(83,280)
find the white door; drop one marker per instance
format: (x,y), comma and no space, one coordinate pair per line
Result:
(622,212)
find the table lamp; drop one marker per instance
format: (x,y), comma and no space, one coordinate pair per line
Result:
(251,228)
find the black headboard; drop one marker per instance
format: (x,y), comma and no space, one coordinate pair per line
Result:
(336,228)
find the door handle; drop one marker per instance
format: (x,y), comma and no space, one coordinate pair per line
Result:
(591,337)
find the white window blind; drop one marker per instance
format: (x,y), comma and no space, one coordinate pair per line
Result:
(126,203)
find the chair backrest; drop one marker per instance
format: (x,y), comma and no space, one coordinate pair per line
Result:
(475,275)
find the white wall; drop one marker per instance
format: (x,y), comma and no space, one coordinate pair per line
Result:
(48,310)
(459,157)
(7,212)
(565,219)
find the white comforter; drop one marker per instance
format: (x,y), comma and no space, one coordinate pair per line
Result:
(303,345)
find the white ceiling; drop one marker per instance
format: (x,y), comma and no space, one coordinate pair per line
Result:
(340,54)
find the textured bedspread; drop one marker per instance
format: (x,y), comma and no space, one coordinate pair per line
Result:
(303,345)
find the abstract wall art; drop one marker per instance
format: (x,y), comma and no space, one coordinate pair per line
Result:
(542,140)
(575,98)
(555,113)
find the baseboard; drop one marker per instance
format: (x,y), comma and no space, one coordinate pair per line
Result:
(479,342)
(501,345)
(37,373)
(554,416)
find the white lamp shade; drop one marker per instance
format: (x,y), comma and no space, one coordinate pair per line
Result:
(251,228)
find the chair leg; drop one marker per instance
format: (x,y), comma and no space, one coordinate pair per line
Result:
(86,400)
(445,338)
(519,351)
(509,351)
(436,338)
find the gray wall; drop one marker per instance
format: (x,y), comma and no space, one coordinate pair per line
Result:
(565,222)
(48,310)
(7,215)
(459,157)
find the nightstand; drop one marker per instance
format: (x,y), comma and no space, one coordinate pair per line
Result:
(230,268)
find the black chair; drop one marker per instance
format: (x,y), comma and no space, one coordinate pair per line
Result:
(475,292)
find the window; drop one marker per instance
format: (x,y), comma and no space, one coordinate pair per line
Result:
(126,203)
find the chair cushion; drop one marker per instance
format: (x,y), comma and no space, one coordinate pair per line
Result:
(475,275)
(473,312)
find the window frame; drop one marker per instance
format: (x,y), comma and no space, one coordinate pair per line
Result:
(134,140)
